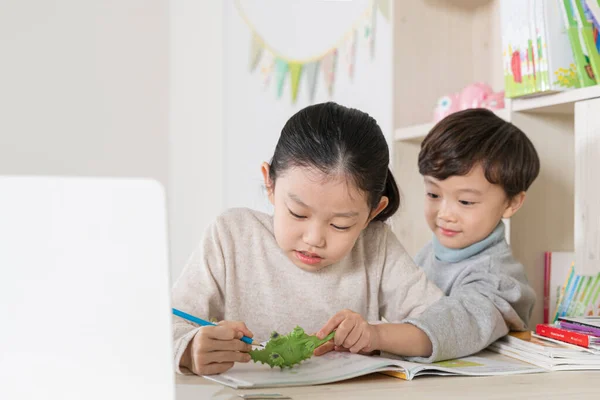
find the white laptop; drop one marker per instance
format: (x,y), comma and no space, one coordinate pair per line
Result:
(84,289)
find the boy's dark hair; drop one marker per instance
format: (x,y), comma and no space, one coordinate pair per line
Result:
(463,139)
(335,139)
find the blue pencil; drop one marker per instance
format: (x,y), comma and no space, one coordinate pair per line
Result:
(202,322)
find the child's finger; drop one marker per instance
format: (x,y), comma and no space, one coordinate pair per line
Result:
(331,324)
(361,343)
(238,326)
(229,345)
(213,369)
(353,336)
(225,357)
(324,348)
(342,331)
(224,332)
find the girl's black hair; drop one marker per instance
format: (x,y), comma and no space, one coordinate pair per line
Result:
(338,140)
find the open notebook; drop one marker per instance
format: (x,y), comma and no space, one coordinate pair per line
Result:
(337,366)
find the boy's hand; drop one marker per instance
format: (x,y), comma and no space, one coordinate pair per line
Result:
(214,349)
(352,332)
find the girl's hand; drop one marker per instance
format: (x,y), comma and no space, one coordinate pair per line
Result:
(325,348)
(214,349)
(352,332)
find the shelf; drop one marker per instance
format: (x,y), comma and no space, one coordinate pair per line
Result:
(416,133)
(558,103)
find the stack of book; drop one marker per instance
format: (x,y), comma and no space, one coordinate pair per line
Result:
(571,344)
(566,293)
(549,45)
(580,331)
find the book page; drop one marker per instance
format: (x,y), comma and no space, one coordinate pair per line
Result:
(330,367)
(479,366)
(337,366)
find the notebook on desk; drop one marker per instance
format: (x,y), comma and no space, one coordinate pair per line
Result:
(84,289)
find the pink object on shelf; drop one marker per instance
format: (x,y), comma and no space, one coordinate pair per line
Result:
(446,105)
(476,95)
(494,101)
(472,96)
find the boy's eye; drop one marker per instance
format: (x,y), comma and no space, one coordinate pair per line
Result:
(296,215)
(466,203)
(432,195)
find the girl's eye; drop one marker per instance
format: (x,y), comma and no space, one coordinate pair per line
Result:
(466,203)
(341,228)
(296,215)
(432,195)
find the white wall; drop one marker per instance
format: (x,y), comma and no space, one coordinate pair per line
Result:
(84,87)
(196,124)
(254,116)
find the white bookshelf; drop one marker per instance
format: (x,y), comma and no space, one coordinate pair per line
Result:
(414,133)
(556,103)
(562,209)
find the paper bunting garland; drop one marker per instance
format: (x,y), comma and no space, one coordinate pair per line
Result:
(270,61)
(311,70)
(328,64)
(350,53)
(384,8)
(369,29)
(281,69)
(267,61)
(295,72)
(255,52)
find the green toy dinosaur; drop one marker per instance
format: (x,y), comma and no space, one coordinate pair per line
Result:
(288,350)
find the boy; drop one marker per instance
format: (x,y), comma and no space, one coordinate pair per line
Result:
(477,168)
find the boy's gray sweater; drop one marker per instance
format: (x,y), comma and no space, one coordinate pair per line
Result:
(487,294)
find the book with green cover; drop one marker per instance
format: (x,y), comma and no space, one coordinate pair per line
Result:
(574,27)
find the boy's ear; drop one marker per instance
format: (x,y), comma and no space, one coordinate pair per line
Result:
(513,205)
(264,168)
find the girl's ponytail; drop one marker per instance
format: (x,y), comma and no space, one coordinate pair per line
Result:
(393,194)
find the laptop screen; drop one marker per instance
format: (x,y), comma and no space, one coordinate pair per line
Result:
(84,289)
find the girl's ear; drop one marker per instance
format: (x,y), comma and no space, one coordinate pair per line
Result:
(383,203)
(513,205)
(264,169)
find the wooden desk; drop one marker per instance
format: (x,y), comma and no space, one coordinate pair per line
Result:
(554,385)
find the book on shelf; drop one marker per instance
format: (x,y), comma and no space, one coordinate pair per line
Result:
(549,354)
(580,33)
(549,45)
(557,267)
(338,366)
(581,296)
(578,295)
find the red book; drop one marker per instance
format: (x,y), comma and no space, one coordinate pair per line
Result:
(547,272)
(564,335)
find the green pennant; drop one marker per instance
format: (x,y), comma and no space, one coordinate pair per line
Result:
(295,73)
(281,69)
